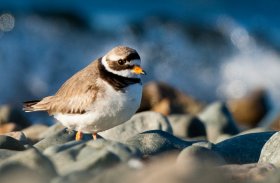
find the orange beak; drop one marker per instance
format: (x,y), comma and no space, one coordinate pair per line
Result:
(138,70)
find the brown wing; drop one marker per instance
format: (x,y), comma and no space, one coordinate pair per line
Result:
(76,95)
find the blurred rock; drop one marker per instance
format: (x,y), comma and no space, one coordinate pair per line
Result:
(218,121)
(33,160)
(186,126)
(5,153)
(33,133)
(243,148)
(18,135)
(274,177)
(250,110)
(58,148)
(8,127)
(163,169)
(52,130)
(198,157)
(271,151)
(7,142)
(162,98)
(139,123)
(247,172)
(222,138)
(155,142)
(256,130)
(113,174)
(59,137)
(16,172)
(275,124)
(204,144)
(78,176)
(9,114)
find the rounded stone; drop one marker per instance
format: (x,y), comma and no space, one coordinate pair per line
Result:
(7,142)
(271,151)
(156,142)
(34,160)
(199,158)
(33,132)
(187,126)
(218,120)
(243,148)
(139,123)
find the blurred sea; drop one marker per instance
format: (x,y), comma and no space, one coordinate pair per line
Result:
(210,50)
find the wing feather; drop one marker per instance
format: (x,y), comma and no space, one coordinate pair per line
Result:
(76,95)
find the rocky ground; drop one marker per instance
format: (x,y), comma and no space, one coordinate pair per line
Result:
(173,138)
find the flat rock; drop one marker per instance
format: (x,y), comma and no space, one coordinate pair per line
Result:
(88,156)
(186,126)
(139,123)
(243,149)
(218,120)
(270,151)
(156,142)
(7,142)
(59,137)
(33,160)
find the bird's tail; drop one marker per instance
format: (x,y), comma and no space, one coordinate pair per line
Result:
(28,106)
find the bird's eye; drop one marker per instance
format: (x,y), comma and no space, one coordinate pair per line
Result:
(121,62)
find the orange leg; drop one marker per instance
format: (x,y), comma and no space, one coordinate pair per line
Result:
(94,135)
(79,136)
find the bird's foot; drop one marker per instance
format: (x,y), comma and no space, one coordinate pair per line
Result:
(79,136)
(94,136)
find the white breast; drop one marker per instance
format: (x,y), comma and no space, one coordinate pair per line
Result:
(110,109)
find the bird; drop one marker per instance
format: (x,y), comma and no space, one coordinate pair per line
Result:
(104,94)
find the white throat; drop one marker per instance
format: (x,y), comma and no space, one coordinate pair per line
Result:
(125,73)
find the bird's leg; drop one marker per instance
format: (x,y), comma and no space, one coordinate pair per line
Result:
(94,135)
(79,136)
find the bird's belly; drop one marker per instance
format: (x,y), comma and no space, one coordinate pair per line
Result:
(109,110)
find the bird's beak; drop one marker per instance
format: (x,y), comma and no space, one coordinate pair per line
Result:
(138,70)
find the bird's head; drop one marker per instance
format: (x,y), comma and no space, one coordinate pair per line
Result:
(123,61)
